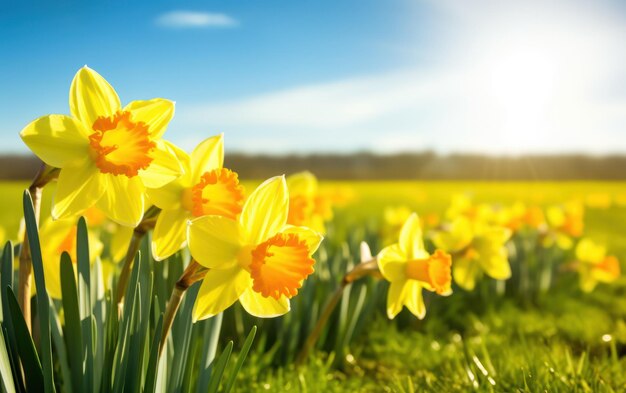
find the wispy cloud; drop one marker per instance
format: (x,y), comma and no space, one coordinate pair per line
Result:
(535,87)
(194,19)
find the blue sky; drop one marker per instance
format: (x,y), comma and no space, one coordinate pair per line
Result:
(278,77)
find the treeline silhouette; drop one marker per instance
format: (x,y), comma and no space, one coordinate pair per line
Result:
(423,166)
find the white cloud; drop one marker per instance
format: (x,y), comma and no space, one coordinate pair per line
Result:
(542,80)
(193,19)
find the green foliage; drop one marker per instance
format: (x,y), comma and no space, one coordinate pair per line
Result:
(82,344)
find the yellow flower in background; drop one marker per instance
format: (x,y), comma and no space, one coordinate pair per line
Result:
(409,268)
(594,265)
(565,222)
(518,216)
(307,206)
(462,205)
(477,248)
(3,236)
(394,218)
(108,154)
(599,200)
(206,189)
(258,259)
(57,237)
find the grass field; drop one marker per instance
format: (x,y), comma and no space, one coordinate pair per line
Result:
(560,340)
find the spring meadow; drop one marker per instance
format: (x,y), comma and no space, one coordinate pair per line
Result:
(402,196)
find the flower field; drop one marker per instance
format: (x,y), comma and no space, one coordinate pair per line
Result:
(533,299)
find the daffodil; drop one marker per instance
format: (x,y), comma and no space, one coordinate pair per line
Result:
(463,206)
(477,248)
(108,154)
(409,268)
(307,206)
(57,237)
(594,266)
(206,189)
(257,258)
(565,222)
(394,218)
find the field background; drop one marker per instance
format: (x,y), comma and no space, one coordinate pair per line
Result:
(562,341)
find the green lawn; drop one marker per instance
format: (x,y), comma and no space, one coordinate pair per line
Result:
(562,340)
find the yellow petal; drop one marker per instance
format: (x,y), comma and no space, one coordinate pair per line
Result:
(497,265)
(263,307)
(214,241)
(457,237)
(155,113)
(411,238)
(57,139)
(405,293)
(123,201)
(170,233)
(164,167)
(464,271)
(414,300)
(167,197)
(312,238)
(587,281)
(219,290)
(91,96)
(588,251)
(207,156)
(78,188)
(302,183)
(392,263)
(52,235)
(119,242)
(265,211)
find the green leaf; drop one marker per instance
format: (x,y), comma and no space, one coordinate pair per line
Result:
(212,330)
(6,373)
(60,349)
(72,329)
(218,371)
(6,281)
(25,346)
(84,300)
(151,371)
(43,302)
(242,357)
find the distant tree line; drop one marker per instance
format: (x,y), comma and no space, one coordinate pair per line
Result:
(424,166)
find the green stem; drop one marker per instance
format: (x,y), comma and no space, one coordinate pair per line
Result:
(144,226)
(361,270)
(193,273)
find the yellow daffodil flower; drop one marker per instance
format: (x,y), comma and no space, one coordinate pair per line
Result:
(258,258)
(56,237)
(307,206)
(394,218)
(565,222)
(108,154)
(409,268)
(477,248)
(462,205)
(206,189)
(594,265)
(519,216)
(3,235)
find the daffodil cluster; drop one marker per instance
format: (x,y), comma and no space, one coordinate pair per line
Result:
(113,160)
